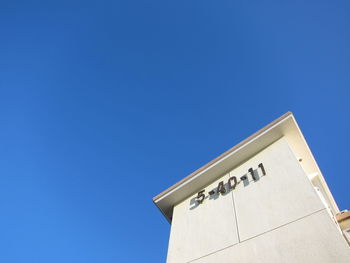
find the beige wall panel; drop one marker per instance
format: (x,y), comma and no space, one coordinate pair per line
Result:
(201,229)
(313,239)
(282,196)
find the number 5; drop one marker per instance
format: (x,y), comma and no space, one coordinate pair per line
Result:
(200,196)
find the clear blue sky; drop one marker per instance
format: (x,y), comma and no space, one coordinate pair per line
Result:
(104,104)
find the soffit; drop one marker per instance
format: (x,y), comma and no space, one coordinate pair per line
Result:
(283,126)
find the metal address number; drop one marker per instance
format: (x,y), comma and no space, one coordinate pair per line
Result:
(232,183)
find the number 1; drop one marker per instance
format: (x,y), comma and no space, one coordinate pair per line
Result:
(261,166)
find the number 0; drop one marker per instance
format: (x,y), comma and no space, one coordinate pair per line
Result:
(230,186)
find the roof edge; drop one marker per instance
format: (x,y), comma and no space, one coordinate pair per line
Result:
(223,155)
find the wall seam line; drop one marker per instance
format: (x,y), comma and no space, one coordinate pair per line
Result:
(235,214)
(271,230)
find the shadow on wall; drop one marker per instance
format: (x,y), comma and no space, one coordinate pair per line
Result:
(224,189)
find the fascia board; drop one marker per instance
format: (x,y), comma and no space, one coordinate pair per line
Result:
(225,162)
(285,126)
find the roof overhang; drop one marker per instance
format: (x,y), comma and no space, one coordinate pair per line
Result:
(285,126)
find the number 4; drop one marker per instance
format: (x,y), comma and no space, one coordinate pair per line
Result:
(221,188)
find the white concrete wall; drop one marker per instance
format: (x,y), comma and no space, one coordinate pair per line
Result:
(197,230)
(313,239)
(278,218)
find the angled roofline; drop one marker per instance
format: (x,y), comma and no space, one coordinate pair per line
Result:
(184,180)
(283,126)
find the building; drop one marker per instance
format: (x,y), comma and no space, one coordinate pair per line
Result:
(264,200)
